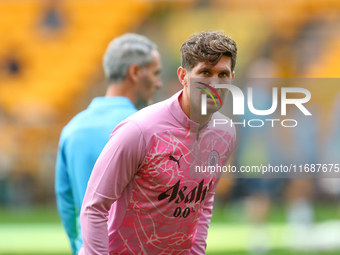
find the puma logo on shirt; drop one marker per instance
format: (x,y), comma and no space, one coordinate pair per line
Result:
(176,160)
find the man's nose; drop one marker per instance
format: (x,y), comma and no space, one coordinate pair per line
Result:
(214,81)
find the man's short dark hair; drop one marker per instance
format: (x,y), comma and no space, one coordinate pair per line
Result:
(208,46)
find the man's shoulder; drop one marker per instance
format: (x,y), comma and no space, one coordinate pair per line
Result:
(84,122)
(97,119)
(150,114)
(153,119)
(73,124)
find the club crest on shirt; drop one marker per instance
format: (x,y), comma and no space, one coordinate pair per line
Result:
(213,158)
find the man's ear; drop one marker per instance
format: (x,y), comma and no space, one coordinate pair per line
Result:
(182,73)
(134,72)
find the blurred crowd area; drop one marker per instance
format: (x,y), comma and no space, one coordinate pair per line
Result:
(50,69)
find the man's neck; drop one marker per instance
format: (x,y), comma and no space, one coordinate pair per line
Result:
(202,120)
(120,90)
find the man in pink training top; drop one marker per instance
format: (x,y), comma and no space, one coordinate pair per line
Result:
(145,195)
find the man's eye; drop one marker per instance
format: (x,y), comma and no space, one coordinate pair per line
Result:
(205,72)
(224,75)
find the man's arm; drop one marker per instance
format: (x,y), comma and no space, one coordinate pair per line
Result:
(65,202)
(203,224)
(113,171)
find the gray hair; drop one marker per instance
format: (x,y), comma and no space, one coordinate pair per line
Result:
(124,51)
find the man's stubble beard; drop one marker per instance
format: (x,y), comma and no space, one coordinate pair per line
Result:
(141,102)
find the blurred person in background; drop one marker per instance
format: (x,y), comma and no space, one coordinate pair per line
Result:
(141,197)
(258,146)
(275,146)
(132,66)
(331,153)
(301,146)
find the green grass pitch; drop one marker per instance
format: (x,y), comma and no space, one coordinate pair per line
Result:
(38,231)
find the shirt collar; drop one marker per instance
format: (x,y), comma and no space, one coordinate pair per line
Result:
(177,112)
(111,101)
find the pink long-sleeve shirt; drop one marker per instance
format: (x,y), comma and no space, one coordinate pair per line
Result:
(144,196)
